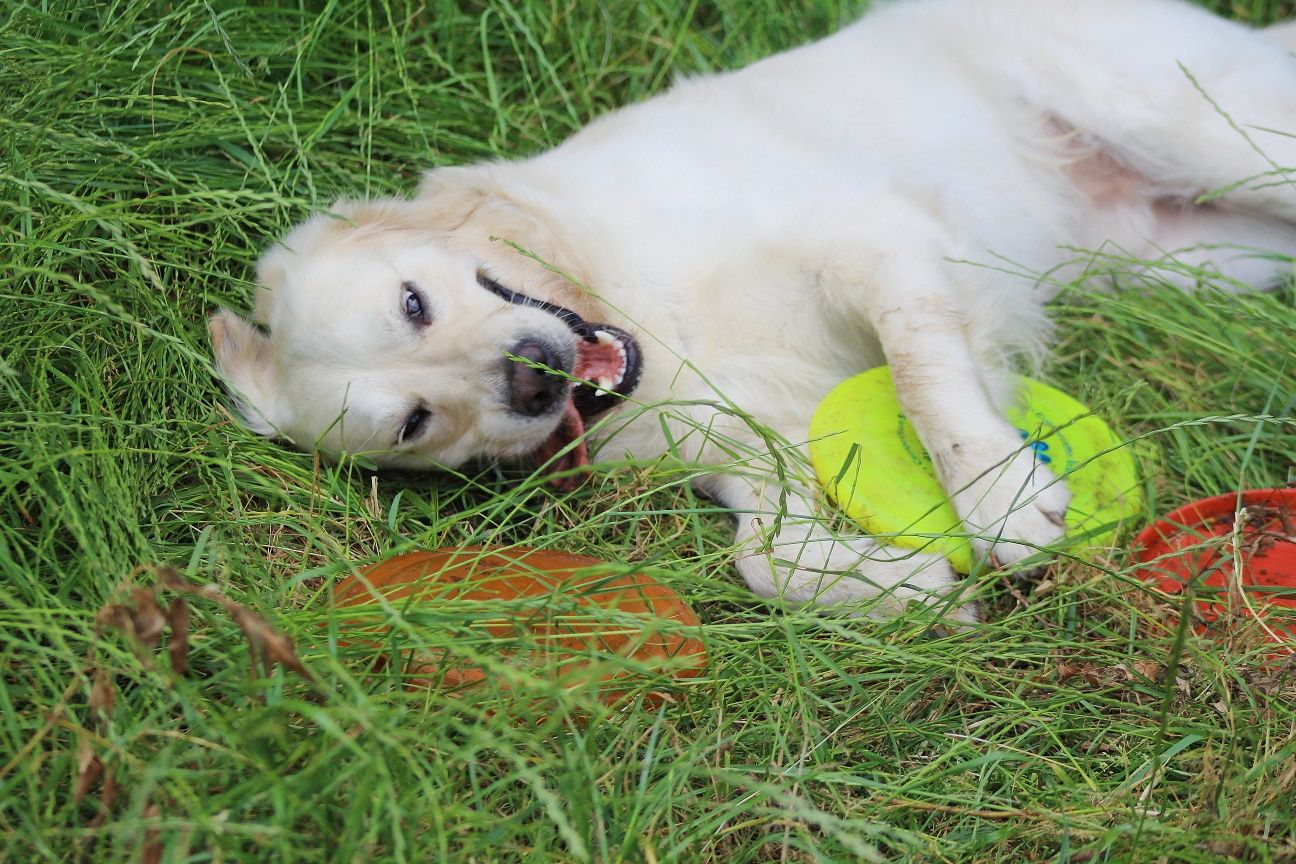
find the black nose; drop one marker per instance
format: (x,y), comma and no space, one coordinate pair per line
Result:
(532,390)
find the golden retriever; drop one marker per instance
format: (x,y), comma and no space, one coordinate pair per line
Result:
(688,271)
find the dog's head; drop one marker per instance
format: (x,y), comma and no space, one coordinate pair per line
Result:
(384,335)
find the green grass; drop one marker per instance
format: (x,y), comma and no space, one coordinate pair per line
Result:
(150,150)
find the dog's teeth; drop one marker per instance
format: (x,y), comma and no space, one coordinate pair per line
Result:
(605,338)
(605,385)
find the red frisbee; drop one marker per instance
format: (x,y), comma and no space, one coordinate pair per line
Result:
(1203,542)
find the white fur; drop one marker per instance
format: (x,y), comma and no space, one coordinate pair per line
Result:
(888,194)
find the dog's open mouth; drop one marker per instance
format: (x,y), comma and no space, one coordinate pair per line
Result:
(608,367)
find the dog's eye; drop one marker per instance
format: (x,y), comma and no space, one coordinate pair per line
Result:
(413,304)
(413,424)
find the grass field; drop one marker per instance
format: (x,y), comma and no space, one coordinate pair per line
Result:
(150,150)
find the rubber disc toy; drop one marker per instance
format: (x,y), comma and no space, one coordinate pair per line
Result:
(1203,544)
(868,458)
(571,619)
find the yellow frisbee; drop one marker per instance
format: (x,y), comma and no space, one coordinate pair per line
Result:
(870,461)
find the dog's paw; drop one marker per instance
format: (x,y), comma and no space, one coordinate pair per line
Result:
(1014,508)
(859,574)
(893,579)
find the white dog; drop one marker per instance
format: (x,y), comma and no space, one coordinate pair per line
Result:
(887,195)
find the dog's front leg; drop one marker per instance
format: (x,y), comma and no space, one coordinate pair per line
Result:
(1012,504)
(785,551)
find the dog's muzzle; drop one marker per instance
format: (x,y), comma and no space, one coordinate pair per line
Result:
(608,364)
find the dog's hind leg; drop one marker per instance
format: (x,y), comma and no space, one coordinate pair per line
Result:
(1234,250)
(1194,103)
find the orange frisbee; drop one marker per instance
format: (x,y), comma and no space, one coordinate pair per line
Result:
(572,619)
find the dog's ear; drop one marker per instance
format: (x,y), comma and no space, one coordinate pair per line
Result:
(448,197)
(352,216)
(271,273)
(244,359)
(345,217)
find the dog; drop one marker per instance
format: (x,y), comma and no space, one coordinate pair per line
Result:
(693,273)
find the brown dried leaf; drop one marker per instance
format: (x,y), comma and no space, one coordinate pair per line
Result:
(107,797)
(140,618)
(89,768)
(266,645)
(144,619)
(1149,669)
(147,618)
(178,644)
(267,642)
(281,649)
(102,694)
(172,578)
(1087,671)
(151,848)
(112,615)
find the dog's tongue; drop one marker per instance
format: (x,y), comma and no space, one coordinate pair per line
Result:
(596,360)
(565,469)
